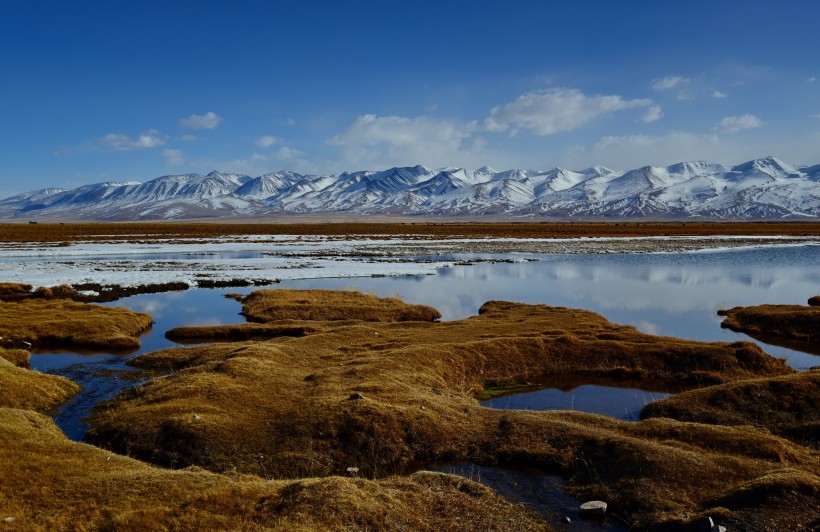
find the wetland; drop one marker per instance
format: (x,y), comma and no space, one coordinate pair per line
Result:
(570,350)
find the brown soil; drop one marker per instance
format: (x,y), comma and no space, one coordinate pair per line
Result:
(793,322)
(66,323)
(788,406)
(387,397)
(111,232)
(51,483)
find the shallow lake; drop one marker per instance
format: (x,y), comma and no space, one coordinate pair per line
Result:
(669,294)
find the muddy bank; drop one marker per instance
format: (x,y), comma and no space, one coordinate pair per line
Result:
(386,397)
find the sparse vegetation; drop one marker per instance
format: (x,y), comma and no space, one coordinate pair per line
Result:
(386,397)
(58,233)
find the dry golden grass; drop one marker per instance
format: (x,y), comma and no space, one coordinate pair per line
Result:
(286,407)
(60,233)
(18,357)
(265,306)
(51,483)
(788,406)
(794,322)
(66,323)
(24,388)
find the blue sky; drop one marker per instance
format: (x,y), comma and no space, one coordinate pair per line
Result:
(112,90)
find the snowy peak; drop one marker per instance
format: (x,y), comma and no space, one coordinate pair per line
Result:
(761,188)
(268,185)
(767,166)
(696,168)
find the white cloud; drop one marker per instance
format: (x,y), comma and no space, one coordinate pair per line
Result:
(652,114)
(718,94)
(733,124)
(287,154)
(555,110)
(811,79)
(207,121)
(187,138)
(668,82)
(259,157)
(372,141)
(121,142)
(266,141)
(816,116)
(173,157)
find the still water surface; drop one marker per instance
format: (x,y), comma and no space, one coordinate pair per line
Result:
(667,294)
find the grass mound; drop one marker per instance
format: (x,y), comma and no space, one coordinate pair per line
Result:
(386,397)
(264,306)
(66,323)
(794,322)
(788,406)
(23,388)
(51,483)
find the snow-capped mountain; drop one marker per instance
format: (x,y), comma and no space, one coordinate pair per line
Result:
(764,188)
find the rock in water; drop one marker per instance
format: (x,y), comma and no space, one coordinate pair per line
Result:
(595,509)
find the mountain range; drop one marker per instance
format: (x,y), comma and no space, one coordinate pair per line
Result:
(766,188)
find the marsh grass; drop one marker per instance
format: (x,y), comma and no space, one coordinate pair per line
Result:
(389,397)
(24,388)
(788,405)
(65,323)
(265,306)
(51,483)
(792,322)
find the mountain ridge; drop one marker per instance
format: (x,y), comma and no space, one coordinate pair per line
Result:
(765,188)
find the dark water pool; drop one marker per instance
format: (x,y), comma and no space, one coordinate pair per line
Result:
(544,494)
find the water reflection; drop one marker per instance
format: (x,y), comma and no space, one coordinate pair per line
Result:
(612,401)
(659,293)
(667,294)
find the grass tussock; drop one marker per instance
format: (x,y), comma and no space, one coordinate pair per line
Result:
(386,397)
(66,323)
(265,306)
(794,322)
(51,483)
(18,357)
(24,388)
(788,406)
